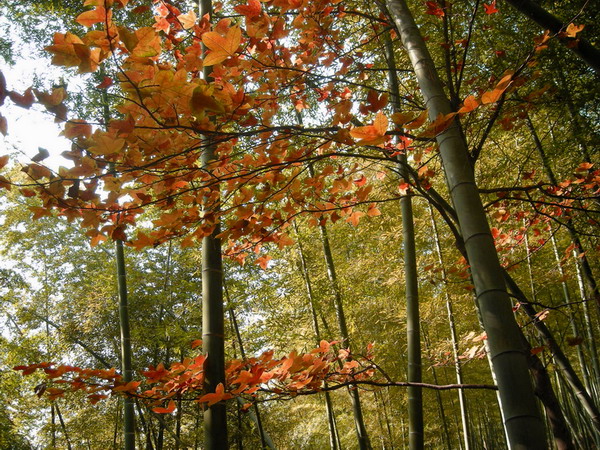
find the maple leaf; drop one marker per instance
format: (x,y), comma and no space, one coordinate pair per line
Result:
(252,9)
(470,104)
(168,410)
(263,261)
(105,144)
(106,82)
(203,100)
(433,9)
(573,29)
(221,47)
(491,8)
(409,120)
(25,100)
(371,134)
(97,15)
(188,20)
(216,397)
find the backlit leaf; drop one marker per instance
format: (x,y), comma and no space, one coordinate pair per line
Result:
(221,47)
(168,410)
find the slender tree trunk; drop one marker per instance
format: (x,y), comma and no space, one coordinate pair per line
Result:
(265,439)
(557,354)
(361,431)
(213,329)
(523,422)
(413,330)
(438,395)
(573,319)
(126,365)
(462,399)
(126,351)
(581,47)
(589,328)
(586,269)
(313,310)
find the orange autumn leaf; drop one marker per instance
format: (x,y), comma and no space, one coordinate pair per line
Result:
(77,128)
(168,410)
(216,397)
(440,124)
(252,9)
(188,20)
(25,100)
(263,261)
(104,144)
(491,96)
(415,122)
(97,15)
(371,134)
(470,104)
(221,47)
(573,29)
(490,8)
(3,161)
(203,100)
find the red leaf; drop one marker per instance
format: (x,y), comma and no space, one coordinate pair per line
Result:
(168,410)
(433,9)
(25,100)
(219,395)
(252,9)
(106,82)
(491,8)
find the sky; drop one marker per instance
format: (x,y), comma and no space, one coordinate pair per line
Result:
(31,128)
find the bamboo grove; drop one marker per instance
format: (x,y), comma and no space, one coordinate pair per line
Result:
(304,224)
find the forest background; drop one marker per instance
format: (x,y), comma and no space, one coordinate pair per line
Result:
(318,157)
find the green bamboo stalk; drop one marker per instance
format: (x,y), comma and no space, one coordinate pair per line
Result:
(573,319)
(361,431)
(415,394)
(126,364)
(213,328)
(331,423)
(591,338)
(462,399)
(586,269)
(255,416)
(523,422)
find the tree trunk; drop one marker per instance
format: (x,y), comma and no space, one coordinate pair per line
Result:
(213,328)
(126,365)
(586,269)
(524,425)
(413,330)
(361,431)
(462,398)
(313,310)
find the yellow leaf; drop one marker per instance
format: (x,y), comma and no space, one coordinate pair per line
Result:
(573,29)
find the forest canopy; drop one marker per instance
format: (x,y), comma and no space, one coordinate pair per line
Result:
(300,224)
